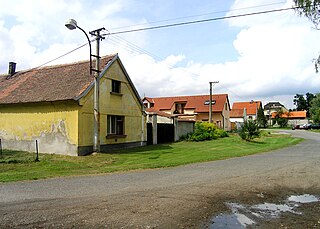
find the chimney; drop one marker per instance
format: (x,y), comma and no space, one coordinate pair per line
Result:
(12,68)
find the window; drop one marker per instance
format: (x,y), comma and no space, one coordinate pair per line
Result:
(116,86)
(207,102)
(179,108)
(115,124)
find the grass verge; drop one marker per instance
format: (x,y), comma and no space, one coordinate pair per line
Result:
(17,165)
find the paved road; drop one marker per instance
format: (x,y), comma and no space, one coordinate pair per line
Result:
(131,199)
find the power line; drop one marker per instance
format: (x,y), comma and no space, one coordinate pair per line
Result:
(200,21)
(199,15)
(173,25)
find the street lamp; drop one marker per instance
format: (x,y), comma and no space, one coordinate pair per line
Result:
(72,24)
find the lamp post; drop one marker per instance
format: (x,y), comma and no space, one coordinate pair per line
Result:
(72,24)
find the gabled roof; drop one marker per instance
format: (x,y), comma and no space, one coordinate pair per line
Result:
(196,102)
(292,114)
(53,83)
(273,105)
(251,107)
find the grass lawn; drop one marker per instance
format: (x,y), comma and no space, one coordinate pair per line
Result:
(16,165)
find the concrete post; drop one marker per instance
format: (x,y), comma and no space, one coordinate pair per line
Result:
(154,129)
(176,129)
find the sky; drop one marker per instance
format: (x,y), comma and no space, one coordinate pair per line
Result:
(266,57)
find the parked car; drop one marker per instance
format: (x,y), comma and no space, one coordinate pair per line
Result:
(314,126)
(301,127)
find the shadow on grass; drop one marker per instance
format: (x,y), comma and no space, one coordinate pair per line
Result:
(16,157)
(143,149)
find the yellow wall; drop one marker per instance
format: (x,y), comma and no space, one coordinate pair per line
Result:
(125,104)
(54,125)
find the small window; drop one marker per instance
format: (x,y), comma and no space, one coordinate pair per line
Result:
(179,108)
(116,86)
(115,124)
(207,102)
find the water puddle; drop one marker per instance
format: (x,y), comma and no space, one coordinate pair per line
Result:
(306,198)
(242,216)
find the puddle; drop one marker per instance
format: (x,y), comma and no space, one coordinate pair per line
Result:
(306,198)
(243,216)
(273,210)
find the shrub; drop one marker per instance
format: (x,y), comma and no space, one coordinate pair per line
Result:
(283,122)
(206,131)
(249,130)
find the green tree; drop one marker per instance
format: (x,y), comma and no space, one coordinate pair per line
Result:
(315,108)
(261,119)
(310,9)
(249,130)
(300,102)
(309,98)
(282,122)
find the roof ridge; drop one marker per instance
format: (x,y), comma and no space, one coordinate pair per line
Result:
(184,96)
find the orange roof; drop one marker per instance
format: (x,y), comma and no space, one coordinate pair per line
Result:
(196,102)
(292,114)
(251,107)
(236,113)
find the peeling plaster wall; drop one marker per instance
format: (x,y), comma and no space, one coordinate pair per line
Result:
(54,125)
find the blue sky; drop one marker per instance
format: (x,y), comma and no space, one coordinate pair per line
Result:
(264,57)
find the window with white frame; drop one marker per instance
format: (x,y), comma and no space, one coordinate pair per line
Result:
(115,125)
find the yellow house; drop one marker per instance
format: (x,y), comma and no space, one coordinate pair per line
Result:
(54,105)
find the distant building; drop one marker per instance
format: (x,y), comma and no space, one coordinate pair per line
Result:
(195,108)
(272,107)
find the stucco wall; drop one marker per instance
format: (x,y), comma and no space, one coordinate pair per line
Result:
(124,104)
(54,125)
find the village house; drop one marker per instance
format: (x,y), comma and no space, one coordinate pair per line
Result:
(243,111)
(273,107)
(293,117)
(193,108)
(54,105)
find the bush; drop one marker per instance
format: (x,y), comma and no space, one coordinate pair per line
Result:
(249,130)
(206,131)
(282,122)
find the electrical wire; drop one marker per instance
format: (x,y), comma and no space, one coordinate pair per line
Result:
(173,25)
(200,15)
(200,21)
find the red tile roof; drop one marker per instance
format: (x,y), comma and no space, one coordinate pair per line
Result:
(251,107)
(236,113)
(292,114)
(53,83)
(195,102)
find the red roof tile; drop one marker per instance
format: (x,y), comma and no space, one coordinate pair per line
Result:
(236,113)
(53,83)
(292,114)
(251,107)
(192,102)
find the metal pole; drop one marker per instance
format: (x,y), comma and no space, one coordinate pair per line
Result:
(210,100)
(37,151)
(210,103)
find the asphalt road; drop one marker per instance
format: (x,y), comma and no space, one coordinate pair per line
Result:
(176,197)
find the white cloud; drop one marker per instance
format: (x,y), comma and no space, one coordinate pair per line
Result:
(275,50)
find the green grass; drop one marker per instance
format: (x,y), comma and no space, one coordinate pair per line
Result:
(16,165)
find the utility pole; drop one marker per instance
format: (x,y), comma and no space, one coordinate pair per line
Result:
(72,24)
(210,100)
(96,96)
